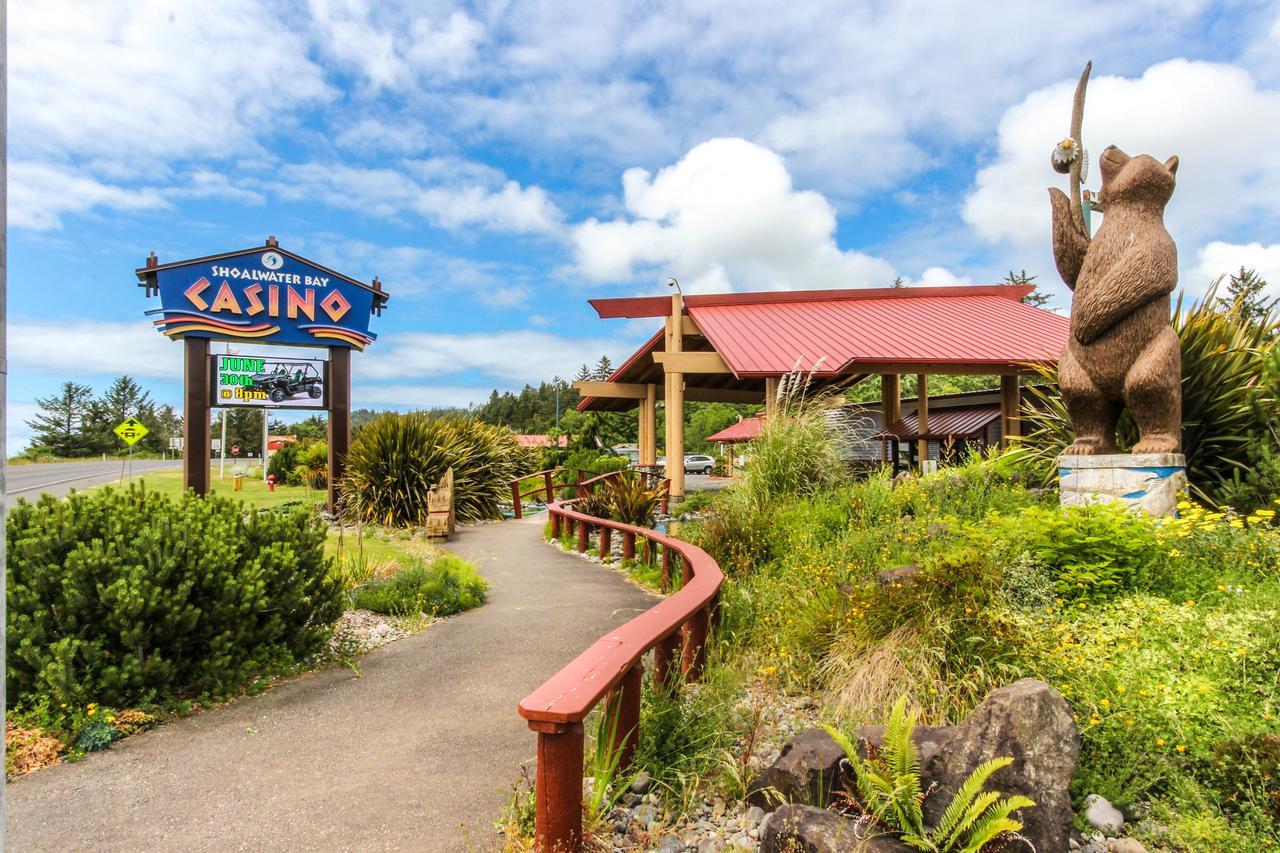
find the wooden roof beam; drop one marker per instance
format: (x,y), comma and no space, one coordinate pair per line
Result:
(691,362)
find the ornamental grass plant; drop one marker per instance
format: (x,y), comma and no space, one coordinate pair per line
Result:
(395,460)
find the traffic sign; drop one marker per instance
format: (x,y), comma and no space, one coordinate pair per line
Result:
(235,450)
(131,431)
(217,444)
(175,442)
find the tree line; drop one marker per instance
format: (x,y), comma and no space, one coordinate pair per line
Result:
(73,423)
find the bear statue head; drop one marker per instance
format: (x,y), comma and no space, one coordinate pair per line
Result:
(1141,180)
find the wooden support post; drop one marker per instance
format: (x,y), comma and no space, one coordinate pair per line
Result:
(555,525)
(666,661)
(649,416)
(606,543)
(890,407)
(584,537)
(695,645)
(195,416)
(664,582)
(624,707)
(339,391)
(1010,409)
(548,482)
(558,789)
(628,546)
(515,498)
(770,396)
(675,402)
(922,418)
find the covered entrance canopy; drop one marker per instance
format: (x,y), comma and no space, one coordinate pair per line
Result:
(735,347)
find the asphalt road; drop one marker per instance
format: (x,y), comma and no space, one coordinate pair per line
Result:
(419,752)
(58,478)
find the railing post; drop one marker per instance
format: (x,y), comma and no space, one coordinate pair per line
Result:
(624,707)
(558,797)
(606,543)
(665,582)
(578,491)
(628,546)
(695,645)
(666,661)
(547,478)
(515,497)
(584,536)
(555,524)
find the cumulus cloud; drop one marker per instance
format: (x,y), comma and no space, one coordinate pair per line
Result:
(1225,259)
(41,194)
(940,277)
(1208,114)
(436,189)
(726,213)
(77,346)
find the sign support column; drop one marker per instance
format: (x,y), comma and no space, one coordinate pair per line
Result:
(339,419)
(195,416)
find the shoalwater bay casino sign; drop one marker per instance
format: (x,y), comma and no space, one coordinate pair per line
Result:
(262,295)
(265,294)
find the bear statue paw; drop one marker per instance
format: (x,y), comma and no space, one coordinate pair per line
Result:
(1087,447)
(1157,444)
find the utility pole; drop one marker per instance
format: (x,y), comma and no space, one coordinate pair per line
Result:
(265,413)
(222,446)
(4,359)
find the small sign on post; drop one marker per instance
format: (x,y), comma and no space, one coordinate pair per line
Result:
(131,431)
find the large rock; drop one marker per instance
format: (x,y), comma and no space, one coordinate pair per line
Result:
(1029,722)
(805,829)
(807,771)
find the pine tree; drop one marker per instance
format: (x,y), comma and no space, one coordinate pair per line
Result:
(1246,294)
(898,282)
(584,374)
(1035,297)
(60,423)
(604,368)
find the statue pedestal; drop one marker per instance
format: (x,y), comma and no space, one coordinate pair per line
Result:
(1147,481)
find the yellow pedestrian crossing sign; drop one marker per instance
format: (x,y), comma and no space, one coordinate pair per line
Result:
(131,431)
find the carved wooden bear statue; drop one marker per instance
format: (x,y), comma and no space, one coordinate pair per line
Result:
(1122,351)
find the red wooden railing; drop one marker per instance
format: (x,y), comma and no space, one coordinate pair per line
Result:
(581,486)
(675,630)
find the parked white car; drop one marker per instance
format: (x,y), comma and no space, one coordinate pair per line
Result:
(693,464)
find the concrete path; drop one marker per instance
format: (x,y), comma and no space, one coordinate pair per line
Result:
(418,754)
(59,478)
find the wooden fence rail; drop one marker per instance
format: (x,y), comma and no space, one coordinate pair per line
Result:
(675,630)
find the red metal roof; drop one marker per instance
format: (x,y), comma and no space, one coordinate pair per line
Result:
(745,430)
(945,423)
(844,331)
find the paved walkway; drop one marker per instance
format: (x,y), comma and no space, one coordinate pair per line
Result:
(418,754)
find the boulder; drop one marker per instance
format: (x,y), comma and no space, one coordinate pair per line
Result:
(901,575)
(1029,722)
(1101,815)
(805,829)
(806,771)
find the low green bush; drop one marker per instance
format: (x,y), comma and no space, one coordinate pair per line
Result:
(441,587)
(124,597)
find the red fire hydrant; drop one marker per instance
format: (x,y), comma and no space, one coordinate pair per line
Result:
(271,482)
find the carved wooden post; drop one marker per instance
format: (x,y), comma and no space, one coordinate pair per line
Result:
(558,797)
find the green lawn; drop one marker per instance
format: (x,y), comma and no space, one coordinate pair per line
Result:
(254,491)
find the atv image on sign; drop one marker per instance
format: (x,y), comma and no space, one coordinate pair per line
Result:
(290,380)
(294,383)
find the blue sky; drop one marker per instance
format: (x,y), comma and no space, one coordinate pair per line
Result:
(497,164)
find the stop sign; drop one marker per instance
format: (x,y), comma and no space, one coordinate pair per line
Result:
(235,450)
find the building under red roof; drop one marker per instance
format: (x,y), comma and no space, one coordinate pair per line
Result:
(735,347)
(747,429)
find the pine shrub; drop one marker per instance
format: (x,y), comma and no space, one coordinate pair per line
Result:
(124,597)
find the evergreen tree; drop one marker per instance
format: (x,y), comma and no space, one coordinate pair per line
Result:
(604,368)
(1035,297)
(898,282)
(584,374)
(1247,295)
(59,426)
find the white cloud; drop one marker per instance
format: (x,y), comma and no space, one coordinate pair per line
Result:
(940,277)
(143,81)
(1225,259)
(40,194)
(410,396)
(77,347)
(442,196)
(725,213)
(1208,114)
(509,358)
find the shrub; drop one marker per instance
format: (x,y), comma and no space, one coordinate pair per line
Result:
(1094,552)
(312,466)
(798,450)
(442,587)
(629,499)
(126,596)
(396,459)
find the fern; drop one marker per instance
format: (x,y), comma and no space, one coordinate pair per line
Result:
(888,783)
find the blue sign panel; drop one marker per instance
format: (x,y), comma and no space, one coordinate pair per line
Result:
(266,295)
